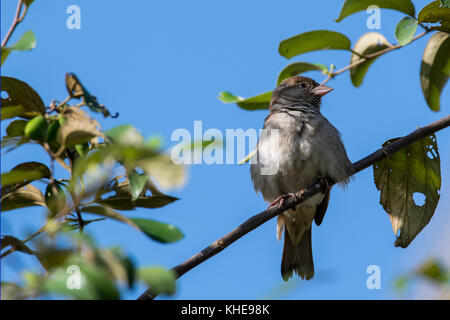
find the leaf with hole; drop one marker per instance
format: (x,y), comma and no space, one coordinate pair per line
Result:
(352,6)
(435,68)
(412,170)
(369,43)
(20,93)
(405,30)
(313,41)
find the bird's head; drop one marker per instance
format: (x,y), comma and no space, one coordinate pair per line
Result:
(298,91)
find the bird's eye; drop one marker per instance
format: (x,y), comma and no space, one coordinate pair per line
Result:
(303,85)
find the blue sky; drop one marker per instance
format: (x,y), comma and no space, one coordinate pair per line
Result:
(161,65)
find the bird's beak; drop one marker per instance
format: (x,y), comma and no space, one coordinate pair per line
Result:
(322,90)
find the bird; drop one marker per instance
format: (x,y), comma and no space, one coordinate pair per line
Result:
(297,148)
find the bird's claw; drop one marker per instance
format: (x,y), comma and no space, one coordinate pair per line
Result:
(281,199)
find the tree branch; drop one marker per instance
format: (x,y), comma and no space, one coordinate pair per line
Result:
(371,56)
(301,196)
(18,17)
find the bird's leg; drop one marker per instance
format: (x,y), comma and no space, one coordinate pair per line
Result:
(281,199)
(325,185)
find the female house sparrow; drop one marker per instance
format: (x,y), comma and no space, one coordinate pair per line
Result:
(305,148)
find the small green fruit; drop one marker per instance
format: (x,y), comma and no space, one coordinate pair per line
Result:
(52,131)
(36,128)
(55,198)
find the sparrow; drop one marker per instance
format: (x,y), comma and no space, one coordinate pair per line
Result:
(301,148)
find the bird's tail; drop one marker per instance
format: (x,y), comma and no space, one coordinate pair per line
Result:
(297,258)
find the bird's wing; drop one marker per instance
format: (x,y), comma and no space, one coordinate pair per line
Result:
(322,208)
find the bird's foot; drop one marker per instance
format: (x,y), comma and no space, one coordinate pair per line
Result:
(281,199)
(325,185)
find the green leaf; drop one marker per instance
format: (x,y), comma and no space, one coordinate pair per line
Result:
(158,231)
(105,211)
(435,68)
(82,149)
(12,112)
(352,6)
(228,97)
(259,102)
(159,279)
(312,41)
(433,270)
(95,284)
(369,43)
(298,68)
(27,196)
(11,143)
(434,13)
(402,178)
(26,42)
(20,93)
(401,283)
(164,171)
(121,266)
(28,2)
(16,128)
(445,3)
(405,30)
(125,134)
(137,184)
(4,54)
(122,199)
(25,173)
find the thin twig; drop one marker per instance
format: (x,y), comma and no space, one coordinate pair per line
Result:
(371,56)
(18,17)
(301,196)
